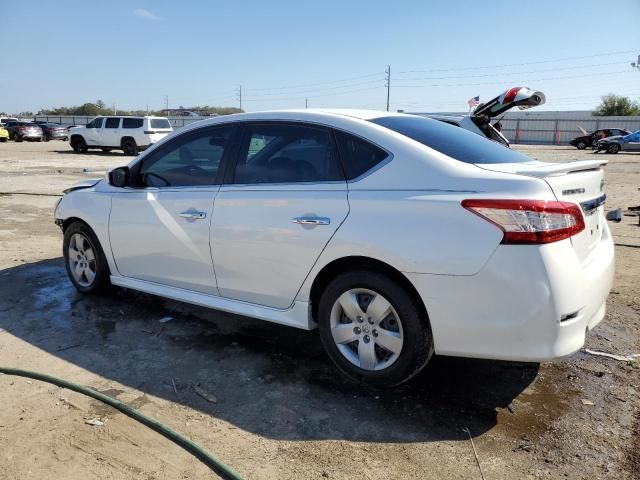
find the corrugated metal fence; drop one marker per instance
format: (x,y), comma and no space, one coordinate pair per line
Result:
(67,120)
(535,130)
(543,128)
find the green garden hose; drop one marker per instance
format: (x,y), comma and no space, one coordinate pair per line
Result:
(205,457)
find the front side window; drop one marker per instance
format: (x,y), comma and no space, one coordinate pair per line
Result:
(131,123)
(457,143)
(283,153)
(112,123)
(95,123)
(191,160)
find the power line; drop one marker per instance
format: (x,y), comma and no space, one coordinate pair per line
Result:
(514,73)
(369,82)
(315,84)
(524,63)
(513,81)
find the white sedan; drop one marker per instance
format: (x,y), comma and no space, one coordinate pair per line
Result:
(396,236)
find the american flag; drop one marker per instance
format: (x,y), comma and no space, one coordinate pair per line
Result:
(474,102)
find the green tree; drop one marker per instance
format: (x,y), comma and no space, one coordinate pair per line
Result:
(615,105)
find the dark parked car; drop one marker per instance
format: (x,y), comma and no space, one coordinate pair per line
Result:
(53,131)
(20,131)
(590,139)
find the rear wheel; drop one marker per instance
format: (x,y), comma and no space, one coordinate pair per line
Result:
(581,145)
(16,137)
(84,259)
(613,148)
(79,145)
(373,329)
(129,146)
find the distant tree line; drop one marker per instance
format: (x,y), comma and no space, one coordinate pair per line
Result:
(615,105)
(100,108)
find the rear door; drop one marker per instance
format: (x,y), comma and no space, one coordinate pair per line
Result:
(110,132)
(282,201)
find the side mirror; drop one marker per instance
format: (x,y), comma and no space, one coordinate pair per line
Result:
(119,177)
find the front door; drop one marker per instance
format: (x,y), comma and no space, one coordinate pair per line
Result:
(160,226)
(284,199)
(93,133)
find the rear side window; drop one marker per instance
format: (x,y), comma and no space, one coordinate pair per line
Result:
(283,153)
(112,123)
(358,156)
(160,123)
(131,123)
(457,143)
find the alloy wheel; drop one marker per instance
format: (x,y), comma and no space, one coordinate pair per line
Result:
(366,329)
(82,260)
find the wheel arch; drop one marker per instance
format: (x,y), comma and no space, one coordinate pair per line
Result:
(345,264)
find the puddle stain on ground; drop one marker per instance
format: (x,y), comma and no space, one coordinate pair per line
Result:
(242,359)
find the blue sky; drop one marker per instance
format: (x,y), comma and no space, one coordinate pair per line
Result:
(334,53)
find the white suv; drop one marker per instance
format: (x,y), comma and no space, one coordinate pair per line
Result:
(130,134)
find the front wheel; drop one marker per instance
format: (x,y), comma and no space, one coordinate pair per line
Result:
(373,329)
(79,145)
(84,259)
(581,145)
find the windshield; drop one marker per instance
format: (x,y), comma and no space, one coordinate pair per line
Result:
(455,142)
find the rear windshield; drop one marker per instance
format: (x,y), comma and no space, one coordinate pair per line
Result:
(455,142)
(160,123)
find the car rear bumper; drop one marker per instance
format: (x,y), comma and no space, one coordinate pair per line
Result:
(528,303)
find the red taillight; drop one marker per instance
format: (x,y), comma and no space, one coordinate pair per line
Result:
(21,128)
(511,95)
(530,221)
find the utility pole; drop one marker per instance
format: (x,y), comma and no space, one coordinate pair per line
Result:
(636,65)
(388,83)
(147,109)
(114,108)
(166,99)
(239,95)
(306,103)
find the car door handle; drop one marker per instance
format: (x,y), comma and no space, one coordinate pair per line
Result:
(193,214)
(312,220)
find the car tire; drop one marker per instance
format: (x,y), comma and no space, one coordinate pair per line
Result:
(17,138)
(129,146)
(47,138)
(357,346)
(106,150)
(613,148)
(79,145)
(581,145)
(84,259)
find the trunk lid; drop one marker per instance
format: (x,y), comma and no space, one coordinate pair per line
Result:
(580,182)
(521,97)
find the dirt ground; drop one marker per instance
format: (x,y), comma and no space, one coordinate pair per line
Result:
(281,410)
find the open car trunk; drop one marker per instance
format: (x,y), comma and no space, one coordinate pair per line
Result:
(578,182)
(521,97)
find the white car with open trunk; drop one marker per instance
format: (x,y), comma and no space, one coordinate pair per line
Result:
(396,235)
